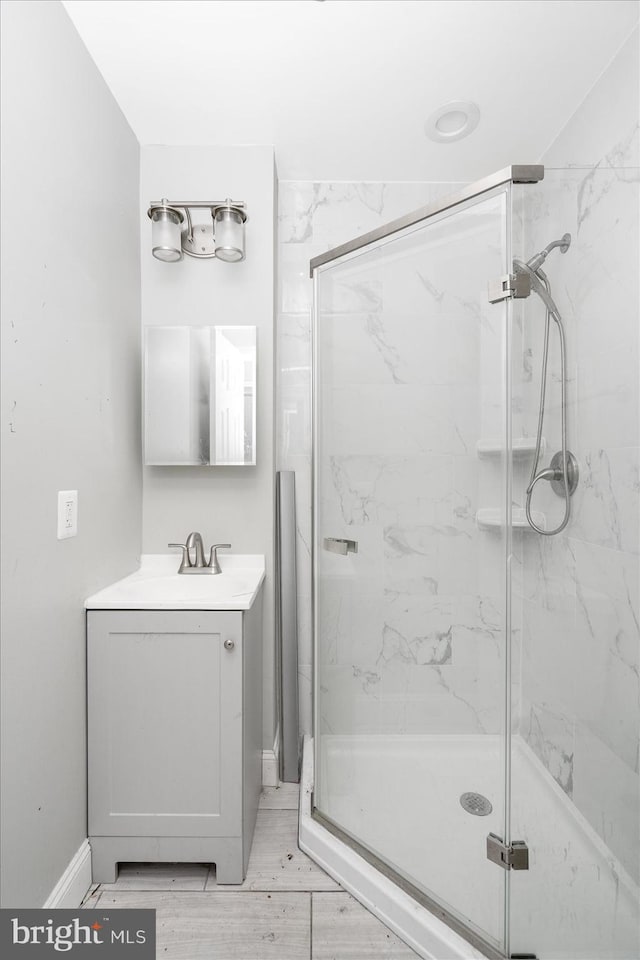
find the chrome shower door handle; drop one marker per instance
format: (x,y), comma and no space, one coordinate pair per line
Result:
(338,545)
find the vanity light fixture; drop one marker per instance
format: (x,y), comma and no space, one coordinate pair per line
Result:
(222,237)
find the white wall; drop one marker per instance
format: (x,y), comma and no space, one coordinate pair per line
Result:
(70,395)
(226,504)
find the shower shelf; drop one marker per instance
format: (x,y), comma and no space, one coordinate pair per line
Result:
(521,447)
(490,518)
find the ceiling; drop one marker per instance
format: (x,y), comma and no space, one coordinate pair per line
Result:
(343,88)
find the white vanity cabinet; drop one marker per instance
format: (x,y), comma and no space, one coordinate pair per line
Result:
(174,737)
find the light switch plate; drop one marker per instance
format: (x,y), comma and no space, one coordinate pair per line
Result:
(67,514)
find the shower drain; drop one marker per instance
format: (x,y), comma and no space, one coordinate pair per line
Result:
(476,804)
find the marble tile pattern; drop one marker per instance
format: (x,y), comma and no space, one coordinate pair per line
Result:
(409,341)
(312,218)
(578,593)
(411,645)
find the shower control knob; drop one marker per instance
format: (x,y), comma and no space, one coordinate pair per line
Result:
(229,644)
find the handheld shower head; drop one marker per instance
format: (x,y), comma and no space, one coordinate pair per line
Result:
(536,261)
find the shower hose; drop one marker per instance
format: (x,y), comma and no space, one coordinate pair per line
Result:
(551,312)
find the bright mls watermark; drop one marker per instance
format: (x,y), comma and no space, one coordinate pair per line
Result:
(78,933)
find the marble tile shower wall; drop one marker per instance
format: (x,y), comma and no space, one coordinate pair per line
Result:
(413,645)
(579,590)
(410,637)
(312,218)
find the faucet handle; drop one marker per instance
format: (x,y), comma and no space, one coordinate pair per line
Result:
(186,559)
(213,556)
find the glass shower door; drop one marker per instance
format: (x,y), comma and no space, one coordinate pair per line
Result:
(412,546)
(575,619)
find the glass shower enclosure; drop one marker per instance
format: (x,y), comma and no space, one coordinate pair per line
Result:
(424,431)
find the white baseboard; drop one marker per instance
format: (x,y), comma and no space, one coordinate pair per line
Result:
(271,763)
(270,769)
(71,888)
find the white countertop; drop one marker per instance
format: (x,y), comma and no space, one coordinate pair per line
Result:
(156,585)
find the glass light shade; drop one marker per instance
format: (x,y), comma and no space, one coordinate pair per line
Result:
(165,235)
(229,231)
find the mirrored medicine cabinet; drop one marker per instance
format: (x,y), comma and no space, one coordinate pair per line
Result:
(200,396)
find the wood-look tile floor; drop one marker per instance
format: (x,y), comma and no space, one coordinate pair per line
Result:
(286,909)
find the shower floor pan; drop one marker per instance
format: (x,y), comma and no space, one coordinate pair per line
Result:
(575,901)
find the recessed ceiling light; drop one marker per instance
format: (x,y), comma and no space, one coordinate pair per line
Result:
(453,121)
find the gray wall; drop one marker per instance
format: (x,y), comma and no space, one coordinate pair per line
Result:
(226,504)
(70,394)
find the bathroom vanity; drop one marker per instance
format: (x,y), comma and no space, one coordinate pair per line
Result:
(174,687)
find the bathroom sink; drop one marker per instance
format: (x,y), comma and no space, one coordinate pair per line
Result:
(158,586)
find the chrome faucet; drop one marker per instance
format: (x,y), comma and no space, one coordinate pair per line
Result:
(194,540)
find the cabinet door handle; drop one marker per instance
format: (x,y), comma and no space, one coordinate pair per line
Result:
(229,644)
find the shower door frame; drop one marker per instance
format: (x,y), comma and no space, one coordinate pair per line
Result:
(515,174)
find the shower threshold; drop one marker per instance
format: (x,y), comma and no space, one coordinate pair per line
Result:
(422,924)
(577,900)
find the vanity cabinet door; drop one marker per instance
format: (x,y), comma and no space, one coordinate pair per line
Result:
(165,723)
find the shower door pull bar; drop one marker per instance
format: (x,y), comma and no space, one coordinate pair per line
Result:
(514,857)
(343,547)
(512,286)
